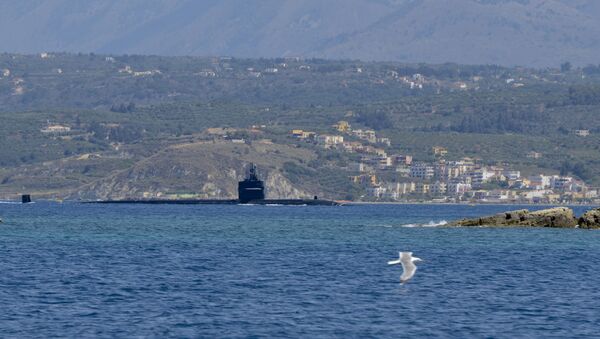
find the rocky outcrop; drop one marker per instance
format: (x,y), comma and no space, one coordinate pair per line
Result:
(204,170)
(559,217)
(590,219)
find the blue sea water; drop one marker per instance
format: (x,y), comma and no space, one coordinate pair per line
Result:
(73,270)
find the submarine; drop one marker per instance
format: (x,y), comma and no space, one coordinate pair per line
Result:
(251,191)
(251,188)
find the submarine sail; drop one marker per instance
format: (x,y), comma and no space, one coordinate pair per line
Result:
(251,188)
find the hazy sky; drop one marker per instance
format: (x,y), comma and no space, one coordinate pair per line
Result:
(508,32)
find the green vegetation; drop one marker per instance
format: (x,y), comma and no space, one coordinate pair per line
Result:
(124,109)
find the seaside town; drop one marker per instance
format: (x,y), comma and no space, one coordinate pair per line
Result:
(397,177)
(386,177)
(359,158)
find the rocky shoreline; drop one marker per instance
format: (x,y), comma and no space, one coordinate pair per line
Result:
(558,217)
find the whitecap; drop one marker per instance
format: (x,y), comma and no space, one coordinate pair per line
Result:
(429,224)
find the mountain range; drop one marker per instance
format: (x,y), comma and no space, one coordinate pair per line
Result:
(536,33)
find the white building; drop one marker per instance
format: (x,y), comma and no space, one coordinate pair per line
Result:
(368,135)
(360,167)
(57,129)
(422,171)
(481,176)
(535,194)
(439,188)
(539,182)
(384,162)
(458,188)
(405,188)
(330,140)
(561,183)
(511,175)
(376,192)
(385,141)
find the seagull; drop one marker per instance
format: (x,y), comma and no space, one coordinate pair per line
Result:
(408,265)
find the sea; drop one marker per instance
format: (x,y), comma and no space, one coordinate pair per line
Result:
(74,270)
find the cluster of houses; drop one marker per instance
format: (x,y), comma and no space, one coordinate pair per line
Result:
(362,141)
(469,180)
(416,81)
(466,179)
(128,70)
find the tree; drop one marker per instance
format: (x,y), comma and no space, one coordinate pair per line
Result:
(375,120)
(565,67)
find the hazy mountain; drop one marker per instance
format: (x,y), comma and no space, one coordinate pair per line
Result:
(508,32)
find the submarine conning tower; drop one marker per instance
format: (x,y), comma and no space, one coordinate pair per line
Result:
(251,188)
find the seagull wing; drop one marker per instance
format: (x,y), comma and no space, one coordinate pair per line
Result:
(409,268)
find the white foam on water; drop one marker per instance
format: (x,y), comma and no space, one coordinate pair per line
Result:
(10,202)
(429,224)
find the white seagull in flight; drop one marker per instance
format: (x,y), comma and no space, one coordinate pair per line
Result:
(408,265)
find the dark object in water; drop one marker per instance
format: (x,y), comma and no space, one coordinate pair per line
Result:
(251,188)
(250,191)
(287,202)
(26,198)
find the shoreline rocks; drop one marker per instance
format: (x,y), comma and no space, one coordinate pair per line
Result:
(558,217)
(590,219)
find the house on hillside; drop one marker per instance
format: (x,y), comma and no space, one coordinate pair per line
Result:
(55,129)
(329,141)
(304,135)
(126,69)
(207,73)
(368,135)
(342,126)
(384,141)
(365,179)
(353,146)
(439,151)
(534,155)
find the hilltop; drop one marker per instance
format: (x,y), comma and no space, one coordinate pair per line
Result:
(506,32)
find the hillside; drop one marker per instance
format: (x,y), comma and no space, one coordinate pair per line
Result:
(176,171)
(93,126)
(506,32)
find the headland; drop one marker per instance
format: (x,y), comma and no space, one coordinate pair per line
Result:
(251,191)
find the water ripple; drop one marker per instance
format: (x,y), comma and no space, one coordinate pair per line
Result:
(229,271)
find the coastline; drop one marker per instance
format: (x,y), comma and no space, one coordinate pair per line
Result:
(340,202)
(461,203)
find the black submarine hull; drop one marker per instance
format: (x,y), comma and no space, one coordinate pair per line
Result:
(251,191)
(286,202)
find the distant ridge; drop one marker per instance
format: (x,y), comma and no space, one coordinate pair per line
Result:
(506,32)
